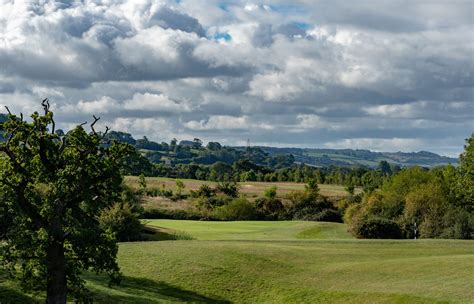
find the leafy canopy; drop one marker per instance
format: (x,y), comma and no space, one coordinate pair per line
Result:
(53,187)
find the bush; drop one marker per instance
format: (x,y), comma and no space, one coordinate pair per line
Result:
(311,206)
(171,214)
(203,191)
(210,203)
(459,224)
(375,228)
(350,212)
(327,215)
(238,210)
(122,221)
(270,208)
(229,189)
(153,192)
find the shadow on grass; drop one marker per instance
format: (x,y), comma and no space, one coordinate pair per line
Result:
(10,295)
(161,234)
(140,290)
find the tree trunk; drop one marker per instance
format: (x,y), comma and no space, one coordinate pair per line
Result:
(56,267)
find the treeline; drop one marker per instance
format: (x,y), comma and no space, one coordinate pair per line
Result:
(437,203)
(244,170)
(187,152)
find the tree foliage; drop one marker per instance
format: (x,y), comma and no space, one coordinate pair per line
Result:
(435,203)
(53,187)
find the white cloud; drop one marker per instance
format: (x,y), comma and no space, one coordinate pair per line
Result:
(365,70)
(378,144)
(154,102)
(102,105)
(226,122)
(410,110)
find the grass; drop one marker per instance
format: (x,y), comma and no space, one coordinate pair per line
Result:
(253,230)
(282,262)
(251,189)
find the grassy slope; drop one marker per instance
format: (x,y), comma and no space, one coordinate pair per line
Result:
(256,262)
(255,230)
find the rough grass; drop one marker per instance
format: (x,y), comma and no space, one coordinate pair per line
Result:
(251,189)
(281,262)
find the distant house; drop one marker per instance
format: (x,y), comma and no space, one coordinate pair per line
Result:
(167,162)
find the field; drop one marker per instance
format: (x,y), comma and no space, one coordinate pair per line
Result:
(282,262)
(251,189)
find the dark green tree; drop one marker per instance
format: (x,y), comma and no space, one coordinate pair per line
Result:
(466,172)
(385,168)
(53,187)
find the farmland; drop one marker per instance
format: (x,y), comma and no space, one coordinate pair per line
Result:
(251,189)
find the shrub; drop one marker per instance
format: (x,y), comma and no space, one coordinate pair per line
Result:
(327,215)
(237,210)
(153,192)
(228,188)
(122,221)
(375,228)
(270,208)
(309,206)
(203,191)
(212,202)
(350,212)
(168,193)
(171,214)
(459,224)
(270,193)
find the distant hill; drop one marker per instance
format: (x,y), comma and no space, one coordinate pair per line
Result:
(187,151)
(350,157)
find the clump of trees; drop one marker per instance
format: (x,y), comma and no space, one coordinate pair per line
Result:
(53,186)
(416,202)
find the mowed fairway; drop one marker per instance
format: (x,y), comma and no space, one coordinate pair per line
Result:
(285,262)
(290,262)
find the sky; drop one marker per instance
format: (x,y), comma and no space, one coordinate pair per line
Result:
(380,75)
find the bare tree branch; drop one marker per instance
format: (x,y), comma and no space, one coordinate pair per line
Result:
(8,110)
(46,105)
(96,119)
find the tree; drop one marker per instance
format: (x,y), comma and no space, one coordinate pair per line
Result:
(466,170)
(173,144)
(350,188)
(385,168)
(197,143)
(179,187)
(54,187)
(142,183)
(213,146)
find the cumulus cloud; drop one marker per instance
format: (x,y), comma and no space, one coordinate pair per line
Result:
(225,122)
(385,75)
